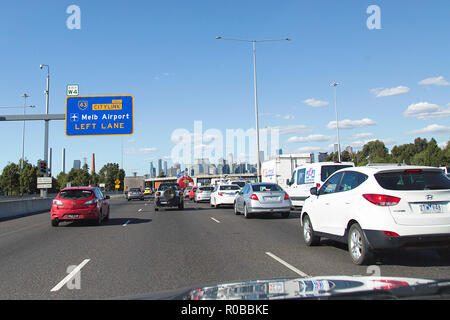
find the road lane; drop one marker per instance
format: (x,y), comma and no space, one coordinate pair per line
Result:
(170,249)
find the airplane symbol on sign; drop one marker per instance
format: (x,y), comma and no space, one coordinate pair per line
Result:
(74,117)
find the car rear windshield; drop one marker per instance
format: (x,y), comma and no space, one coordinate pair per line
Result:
(266,187)
(206,188)
(230,187)
(413,180)
(135,190)
(239,183)
(164,187)
(329,170)
(75,194)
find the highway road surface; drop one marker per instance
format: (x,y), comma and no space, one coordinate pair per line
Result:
(141,251)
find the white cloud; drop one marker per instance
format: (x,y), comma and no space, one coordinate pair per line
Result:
(432,129)
(437,81)
(315,103)
(443,145)
(310,138)
(294,129)
(362,135)
(352,124)
(140,150)
(281,116)
(425,110)
(387,92)
(310,149)
(361,143)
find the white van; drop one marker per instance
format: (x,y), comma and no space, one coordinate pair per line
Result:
(310,175)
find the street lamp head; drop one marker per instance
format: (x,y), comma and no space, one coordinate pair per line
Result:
(41,66)
(334,84)
(218,38)
(288,39)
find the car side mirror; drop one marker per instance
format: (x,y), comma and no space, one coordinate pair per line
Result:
(107,197)
(314,191)
(288,182)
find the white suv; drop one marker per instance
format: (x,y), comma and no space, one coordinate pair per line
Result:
(379,208)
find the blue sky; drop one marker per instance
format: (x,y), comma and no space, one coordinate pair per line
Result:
(394,81)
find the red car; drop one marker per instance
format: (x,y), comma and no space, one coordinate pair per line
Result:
(192,193)
(80,203)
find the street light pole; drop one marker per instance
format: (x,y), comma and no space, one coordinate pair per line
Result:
(47,92)
(335,84)
(258,164)
(25,96)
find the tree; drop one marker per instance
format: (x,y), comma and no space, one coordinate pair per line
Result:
(62,180)
(78,177)
(432,156)
(109,173)
(373,152)
(28,179)
(9,180)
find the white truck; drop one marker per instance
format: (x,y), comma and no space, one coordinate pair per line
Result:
(279,169)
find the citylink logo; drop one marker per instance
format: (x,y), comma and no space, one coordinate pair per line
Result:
(82,105)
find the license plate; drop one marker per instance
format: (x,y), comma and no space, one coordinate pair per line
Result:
(430,208)
(163,202)
(270,198)
(71,216)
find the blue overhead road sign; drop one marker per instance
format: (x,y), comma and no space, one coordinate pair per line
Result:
(99,115)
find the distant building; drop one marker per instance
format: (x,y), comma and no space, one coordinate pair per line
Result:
(349,149)
(76,164)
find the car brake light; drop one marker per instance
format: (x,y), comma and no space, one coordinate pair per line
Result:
(286,196)
(388,284)
(220,194)
(413,170)
(254,197)
(158,194)
(390,234)
(58,202)
(381,199)
(317,185)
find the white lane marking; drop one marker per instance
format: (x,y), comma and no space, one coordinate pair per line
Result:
(215,220)
(125,224)
(70,275)
(139,210)
(287,264)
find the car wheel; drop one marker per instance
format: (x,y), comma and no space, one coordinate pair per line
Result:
(55,222)
(99,220)
(358,247)
(308,233)
(236,212)
(106,218)
(156,208)
(181,206)
(247,214)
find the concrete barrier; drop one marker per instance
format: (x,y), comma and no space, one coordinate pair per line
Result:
(16,208)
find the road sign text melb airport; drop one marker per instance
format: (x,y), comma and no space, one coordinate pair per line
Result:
(99,115)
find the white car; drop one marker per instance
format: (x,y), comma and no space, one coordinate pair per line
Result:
(224,195)
(203,194)
(379,208)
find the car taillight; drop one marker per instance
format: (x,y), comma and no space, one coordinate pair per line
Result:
(381,199)
(286,196)
(254,197)
(57,202)
(91,202)
(199,191)
(390,234)
(317,185)
(158,194)
(220,194)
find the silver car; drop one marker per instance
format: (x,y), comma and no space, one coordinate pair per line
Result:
(262,197)
(203,194)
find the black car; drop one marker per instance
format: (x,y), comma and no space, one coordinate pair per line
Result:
(169,195)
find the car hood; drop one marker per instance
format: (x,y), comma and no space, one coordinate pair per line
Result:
(329,287)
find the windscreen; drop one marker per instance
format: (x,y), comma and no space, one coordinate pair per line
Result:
(413,180)
(266,187)
(206,188)
(329,170)
(135,190)
(75,194)
(229,187)
(163,187)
